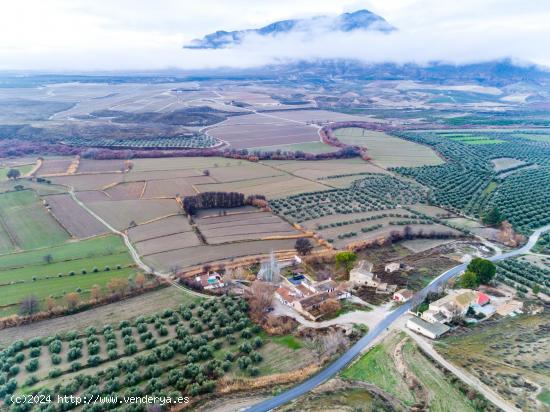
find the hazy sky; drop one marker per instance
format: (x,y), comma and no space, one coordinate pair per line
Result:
(81,35)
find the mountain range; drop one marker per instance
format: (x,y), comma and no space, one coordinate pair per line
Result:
(346,22)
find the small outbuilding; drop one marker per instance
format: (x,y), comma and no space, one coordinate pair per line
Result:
(403,295)
(431,330)
(392,267)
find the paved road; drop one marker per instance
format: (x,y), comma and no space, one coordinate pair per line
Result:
(366,340)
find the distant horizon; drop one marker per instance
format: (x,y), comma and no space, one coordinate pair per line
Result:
(84,36)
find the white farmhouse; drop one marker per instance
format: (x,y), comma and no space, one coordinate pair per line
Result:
(362,275)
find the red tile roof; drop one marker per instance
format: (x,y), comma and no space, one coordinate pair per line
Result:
(483,299)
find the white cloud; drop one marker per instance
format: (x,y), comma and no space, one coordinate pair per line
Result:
(145,34)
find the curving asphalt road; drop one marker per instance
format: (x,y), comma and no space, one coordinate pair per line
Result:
(360,345)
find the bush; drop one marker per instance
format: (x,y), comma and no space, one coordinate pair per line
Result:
(112,354)
(256,357)
(83,271)
(94,360)
(55,346)
(54,373)
(35,352)
(20,357)
(107,268)
(13,370)
(244,362)
(56,359)
(35,342)
(245,347)
(131,349)
(32,366)
(74,353)
(253,371)
(95,269)
(94,349)
(31,380)
(75,366)
(127,331)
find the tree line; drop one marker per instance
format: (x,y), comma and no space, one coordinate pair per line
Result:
(209,200)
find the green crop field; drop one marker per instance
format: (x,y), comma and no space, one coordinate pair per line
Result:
(97,246)
(28,273)
(443,395)
(27,223)
(389,151)
(377,367)
(46,271)
(24,169)
(11,295)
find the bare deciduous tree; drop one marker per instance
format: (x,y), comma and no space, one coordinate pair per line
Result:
(261,297)
(29,305)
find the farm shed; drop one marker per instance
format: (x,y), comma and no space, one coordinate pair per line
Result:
(431,330)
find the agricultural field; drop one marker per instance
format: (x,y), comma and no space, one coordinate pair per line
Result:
(125,191)
(271,187)
(158,189)
(543,245)
(87,182)
(508,355)
(54,166)
(313,147)
(53,272)
(145,304)
(373,206)
(324,171)
(189,141)
(391,366)
(525,277)
(370,192)
(505,163)
(23,169)
(240,224)
(77,221)
(469,182)
(270,131)
(125,213)
(388,151)
(256,130)
(470,138)
(158,228)
(199,255)
(26,223)
(185,350)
